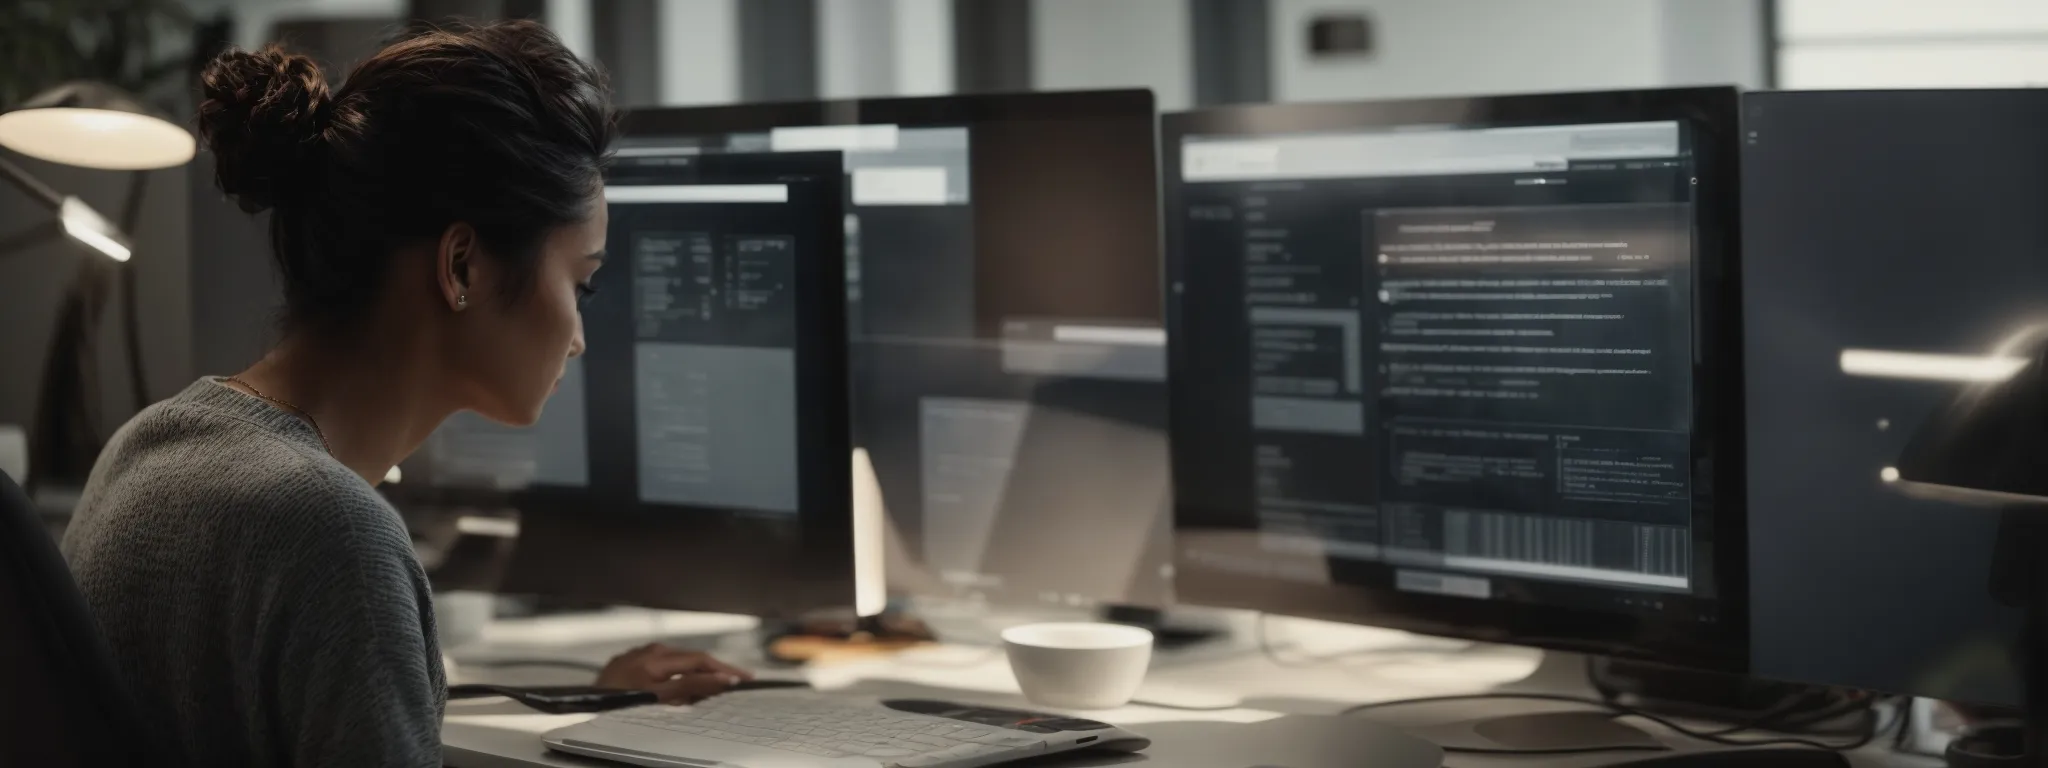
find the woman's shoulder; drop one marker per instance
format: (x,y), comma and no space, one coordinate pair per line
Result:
(210,420)
(189,461)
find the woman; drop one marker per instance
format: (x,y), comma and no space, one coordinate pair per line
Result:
(436,221)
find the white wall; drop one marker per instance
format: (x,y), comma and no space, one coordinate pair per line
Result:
(1912,43)
(924,47)
(698,51)
(885,48)
(1714,43)
(1467,47)
(1081,44)
(572,21)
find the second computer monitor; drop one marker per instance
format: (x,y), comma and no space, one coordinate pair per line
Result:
(695,456)
(1465,367)
(1006,329)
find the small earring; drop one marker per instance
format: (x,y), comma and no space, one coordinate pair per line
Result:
(462,301)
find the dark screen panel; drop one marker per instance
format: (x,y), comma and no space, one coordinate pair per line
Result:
(1067,219)
(1881,223)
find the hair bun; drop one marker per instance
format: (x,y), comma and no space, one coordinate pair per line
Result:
(262,113)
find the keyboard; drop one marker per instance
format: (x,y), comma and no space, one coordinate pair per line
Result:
(774,729)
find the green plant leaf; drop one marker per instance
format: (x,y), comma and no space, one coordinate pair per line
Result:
(138,45)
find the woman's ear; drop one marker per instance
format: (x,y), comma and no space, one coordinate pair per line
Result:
(454,262)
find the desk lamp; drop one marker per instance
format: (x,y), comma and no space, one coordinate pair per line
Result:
(1989,448)
(89,125)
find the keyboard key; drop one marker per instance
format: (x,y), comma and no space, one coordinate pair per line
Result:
(930,741)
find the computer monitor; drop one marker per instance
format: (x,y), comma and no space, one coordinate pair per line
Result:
(696,455)
(1894,263)
(1006,329)
(1466,367)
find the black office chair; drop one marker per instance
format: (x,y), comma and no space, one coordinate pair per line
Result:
(63,702)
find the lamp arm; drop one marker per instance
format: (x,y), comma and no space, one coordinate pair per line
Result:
(30,185)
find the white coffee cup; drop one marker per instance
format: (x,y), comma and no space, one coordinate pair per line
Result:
(461,617)
(1078,665)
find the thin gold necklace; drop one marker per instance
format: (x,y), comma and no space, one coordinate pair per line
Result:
(300,412)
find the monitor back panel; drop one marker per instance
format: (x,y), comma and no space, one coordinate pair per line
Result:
(1893,240)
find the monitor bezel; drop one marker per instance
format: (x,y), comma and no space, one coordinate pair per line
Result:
(1717,643)
(903,110)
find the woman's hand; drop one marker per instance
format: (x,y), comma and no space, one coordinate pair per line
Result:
(678,676)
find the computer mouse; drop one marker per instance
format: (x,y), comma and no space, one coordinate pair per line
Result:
(770,685)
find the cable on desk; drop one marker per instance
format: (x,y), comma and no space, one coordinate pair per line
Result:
(1905,725)
(1851,704)
(1869,731)
(583,666)
(1557,697)
(1791,715)
(1589,750)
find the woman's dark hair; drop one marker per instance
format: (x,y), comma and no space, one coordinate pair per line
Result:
(499,126)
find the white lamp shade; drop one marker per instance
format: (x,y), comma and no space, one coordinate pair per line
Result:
(96,138)
(95,125)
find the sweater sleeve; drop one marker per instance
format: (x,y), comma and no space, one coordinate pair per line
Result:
(358,673)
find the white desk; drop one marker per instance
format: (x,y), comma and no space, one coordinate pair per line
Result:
(495,733)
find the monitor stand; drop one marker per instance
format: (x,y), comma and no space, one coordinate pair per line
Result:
(2019,577)
(1561,673)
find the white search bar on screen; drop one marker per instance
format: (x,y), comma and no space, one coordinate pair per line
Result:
(1108,334)
(698,193)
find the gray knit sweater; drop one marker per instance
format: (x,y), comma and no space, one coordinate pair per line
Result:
(263,600)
